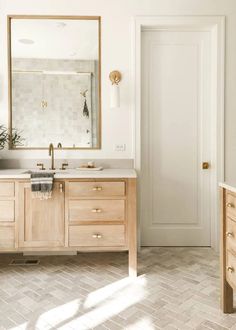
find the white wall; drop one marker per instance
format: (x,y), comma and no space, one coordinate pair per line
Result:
(116,54)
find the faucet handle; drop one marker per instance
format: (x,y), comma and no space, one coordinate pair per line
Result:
(41,165)
(63,166)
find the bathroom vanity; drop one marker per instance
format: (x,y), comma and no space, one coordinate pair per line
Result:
(228,246)
(88,211)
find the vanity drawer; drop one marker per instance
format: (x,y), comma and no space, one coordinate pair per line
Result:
(96,189)
(100,235)
(7,210)
(7,189)
(230,204)
(7,237)
(230,234)
(96,210)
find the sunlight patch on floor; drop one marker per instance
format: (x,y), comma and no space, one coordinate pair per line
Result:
(97,308)
(124,298)
(61,313)
(144,323)
(100,295)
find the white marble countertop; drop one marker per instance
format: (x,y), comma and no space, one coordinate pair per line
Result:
(71,174)
(227,186)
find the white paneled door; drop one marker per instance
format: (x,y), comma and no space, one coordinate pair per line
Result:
(175,138)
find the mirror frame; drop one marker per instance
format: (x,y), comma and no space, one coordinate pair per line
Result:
(9,20)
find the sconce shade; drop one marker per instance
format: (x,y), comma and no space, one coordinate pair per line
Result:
(115,96)
(115,78)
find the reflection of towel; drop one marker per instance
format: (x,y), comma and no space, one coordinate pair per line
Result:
(42,185)
(85,110)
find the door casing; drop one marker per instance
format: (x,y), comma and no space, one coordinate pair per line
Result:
(216,26)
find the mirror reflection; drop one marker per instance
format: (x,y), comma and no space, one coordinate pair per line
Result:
(55,82)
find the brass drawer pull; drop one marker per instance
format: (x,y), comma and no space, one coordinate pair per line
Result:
(61,187)
(96,210)
(97,188)
(230,205)
(230,269)
(97,236)
(229,234)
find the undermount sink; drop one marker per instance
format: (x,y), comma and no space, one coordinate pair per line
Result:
(43,171)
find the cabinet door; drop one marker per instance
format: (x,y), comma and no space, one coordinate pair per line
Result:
(41,222)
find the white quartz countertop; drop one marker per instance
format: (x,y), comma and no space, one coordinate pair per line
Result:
(71,174)
(227,186)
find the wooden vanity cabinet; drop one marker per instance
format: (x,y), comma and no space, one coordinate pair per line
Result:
(41,222)
(82,215)
(101,216)
(228,248)
(97,214)
(7,215)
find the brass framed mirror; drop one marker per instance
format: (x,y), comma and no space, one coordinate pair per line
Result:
(54,67)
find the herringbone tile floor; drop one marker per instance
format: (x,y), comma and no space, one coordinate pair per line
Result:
(178,288)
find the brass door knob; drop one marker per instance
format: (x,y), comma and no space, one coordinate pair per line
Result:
(230,269)
(229,234)
(205,165)
(230,205)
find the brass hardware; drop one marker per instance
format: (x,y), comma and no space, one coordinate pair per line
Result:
(115,77)
(205,165)
(97,236)
(230,205)
(61,187)
(51,153)
(41,165)
(44,104)
(63,166)
(97,188)
(59,146)
(229,234)
(96,210)
(230,269)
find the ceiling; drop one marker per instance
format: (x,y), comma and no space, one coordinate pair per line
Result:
(55,39)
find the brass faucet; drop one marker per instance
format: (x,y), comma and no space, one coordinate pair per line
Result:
(51,153)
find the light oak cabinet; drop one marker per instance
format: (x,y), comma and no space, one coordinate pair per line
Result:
(228,248)
(82,215)
(7,215)
(41,222)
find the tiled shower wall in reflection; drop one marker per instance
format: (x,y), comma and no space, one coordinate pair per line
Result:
(49,107)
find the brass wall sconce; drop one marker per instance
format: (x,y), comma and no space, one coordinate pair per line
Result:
(115,78)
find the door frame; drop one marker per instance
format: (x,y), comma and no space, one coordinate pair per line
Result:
(216,26)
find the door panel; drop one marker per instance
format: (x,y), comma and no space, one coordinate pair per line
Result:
(175,138)
(41,222)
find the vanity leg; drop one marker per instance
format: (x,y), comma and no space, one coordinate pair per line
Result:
(132,227)
(132,264)
(226,298)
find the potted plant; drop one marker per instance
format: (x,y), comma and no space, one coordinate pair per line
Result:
(15,139)
(3,136)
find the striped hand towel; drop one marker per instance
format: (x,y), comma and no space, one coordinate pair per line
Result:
(42,185)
